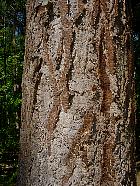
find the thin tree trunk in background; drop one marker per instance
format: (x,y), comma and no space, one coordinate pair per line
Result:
(78,95)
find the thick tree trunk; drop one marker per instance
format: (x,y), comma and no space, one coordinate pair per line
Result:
(78,95)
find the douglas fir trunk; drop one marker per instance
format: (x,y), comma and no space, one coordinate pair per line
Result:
(78,95)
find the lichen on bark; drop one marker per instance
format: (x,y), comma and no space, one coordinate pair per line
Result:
(78,95)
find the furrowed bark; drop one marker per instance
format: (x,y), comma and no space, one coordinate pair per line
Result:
(78,95)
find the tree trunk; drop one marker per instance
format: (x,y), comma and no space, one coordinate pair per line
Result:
(78,95)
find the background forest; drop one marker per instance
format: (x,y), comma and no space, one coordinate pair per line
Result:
(12,34)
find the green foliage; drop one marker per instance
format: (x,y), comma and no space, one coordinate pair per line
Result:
(11,61)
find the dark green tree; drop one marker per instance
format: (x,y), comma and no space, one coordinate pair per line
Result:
(12,16)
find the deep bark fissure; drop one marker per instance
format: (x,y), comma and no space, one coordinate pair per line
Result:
(78,144)
(104,79)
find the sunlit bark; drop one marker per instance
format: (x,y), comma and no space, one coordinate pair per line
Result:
(78,95)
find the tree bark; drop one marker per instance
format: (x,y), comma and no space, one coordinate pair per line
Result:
(78,110)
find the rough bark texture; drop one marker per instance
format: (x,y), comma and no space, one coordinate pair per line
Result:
(78,95)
